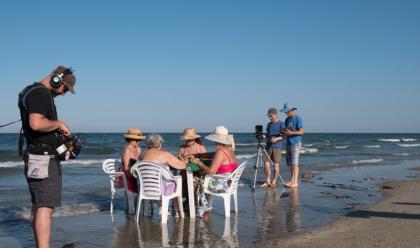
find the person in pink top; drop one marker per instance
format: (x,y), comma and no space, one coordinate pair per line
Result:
(224,160)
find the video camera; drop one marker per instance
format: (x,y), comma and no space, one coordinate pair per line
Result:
(259,133)
(68,147)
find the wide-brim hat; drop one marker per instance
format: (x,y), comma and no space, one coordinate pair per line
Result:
(135,134)
(189,134)
(288,107)
(220,135)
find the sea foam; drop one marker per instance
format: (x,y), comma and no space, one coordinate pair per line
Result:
(63,211)
(373,146)
(341,147)
(410,145)
(390,140)
(367,161)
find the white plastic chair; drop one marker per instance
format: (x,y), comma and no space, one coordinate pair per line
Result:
(108,167)
(150,176)
(231,191)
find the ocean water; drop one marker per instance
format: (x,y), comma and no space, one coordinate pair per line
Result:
(359,160)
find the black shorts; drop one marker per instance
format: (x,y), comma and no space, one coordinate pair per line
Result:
(46,192)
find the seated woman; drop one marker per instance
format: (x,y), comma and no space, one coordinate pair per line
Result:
(130,155)
(191,146)
(224,161)
(155,153)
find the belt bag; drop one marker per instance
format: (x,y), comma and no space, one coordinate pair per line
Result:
(38,166)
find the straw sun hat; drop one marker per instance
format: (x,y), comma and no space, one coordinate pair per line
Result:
(189,134)
(220,135)
(134,133)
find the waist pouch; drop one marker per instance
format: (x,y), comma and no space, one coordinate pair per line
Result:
(38,166)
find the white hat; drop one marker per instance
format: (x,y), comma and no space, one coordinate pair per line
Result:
(220,135)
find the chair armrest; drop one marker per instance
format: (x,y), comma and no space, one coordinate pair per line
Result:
(222,176)
(118,173)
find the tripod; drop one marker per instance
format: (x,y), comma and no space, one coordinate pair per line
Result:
(259,162)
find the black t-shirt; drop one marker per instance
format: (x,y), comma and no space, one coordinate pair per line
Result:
(39,100)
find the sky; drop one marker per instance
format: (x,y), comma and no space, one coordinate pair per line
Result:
(162,66)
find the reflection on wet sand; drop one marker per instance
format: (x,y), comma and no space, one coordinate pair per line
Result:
(292,212)
(178,232)
(271,222)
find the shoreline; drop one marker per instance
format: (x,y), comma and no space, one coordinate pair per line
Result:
(392,221)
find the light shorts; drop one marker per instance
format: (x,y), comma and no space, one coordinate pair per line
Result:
(274,154)
(292,154)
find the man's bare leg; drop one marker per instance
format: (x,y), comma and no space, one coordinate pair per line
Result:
(276,174)
(295,177)
(41,224)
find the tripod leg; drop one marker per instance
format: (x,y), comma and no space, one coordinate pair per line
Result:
(275,169)
(256,169)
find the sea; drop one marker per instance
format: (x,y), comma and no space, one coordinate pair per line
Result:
(343,174)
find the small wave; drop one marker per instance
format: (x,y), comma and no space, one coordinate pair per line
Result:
(390,140)
(373,146)
(82,162)
(245,156)
(408,139)
(366,161)
(409,145)
(11,164)
(246,144)
(309,145)
(341,147)
(64,211)
(401,154)
(15,164)
(308,150)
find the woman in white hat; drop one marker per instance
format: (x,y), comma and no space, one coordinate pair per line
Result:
(224,159)
(192,144)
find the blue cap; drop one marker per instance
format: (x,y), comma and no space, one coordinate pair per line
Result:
(288,107)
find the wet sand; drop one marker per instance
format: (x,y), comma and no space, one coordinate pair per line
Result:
(394,221)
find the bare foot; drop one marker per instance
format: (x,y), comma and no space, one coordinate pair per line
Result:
(288,184)
(274,184)
(293,185)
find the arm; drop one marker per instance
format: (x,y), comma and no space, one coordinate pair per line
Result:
(40,123)
(174,162)
(217,161)
(126,159)
(181,154)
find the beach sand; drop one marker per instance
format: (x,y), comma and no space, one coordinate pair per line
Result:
(393,221)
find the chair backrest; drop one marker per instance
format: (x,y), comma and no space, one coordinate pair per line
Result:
(150,176)
(235,176)
(108,166)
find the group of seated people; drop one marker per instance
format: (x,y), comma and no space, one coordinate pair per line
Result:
(223,160)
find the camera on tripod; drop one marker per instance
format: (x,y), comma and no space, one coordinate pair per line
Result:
(259,133)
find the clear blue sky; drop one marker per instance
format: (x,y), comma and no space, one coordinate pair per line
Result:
(349,66)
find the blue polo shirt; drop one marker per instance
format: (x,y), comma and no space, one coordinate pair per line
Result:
(294,123)
(274,129)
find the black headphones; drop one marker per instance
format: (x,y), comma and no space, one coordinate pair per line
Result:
(57,79)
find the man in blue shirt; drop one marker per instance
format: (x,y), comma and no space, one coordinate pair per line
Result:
(273,147)
(293,132)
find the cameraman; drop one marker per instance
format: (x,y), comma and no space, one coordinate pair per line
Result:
(41,129)
(273,147)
